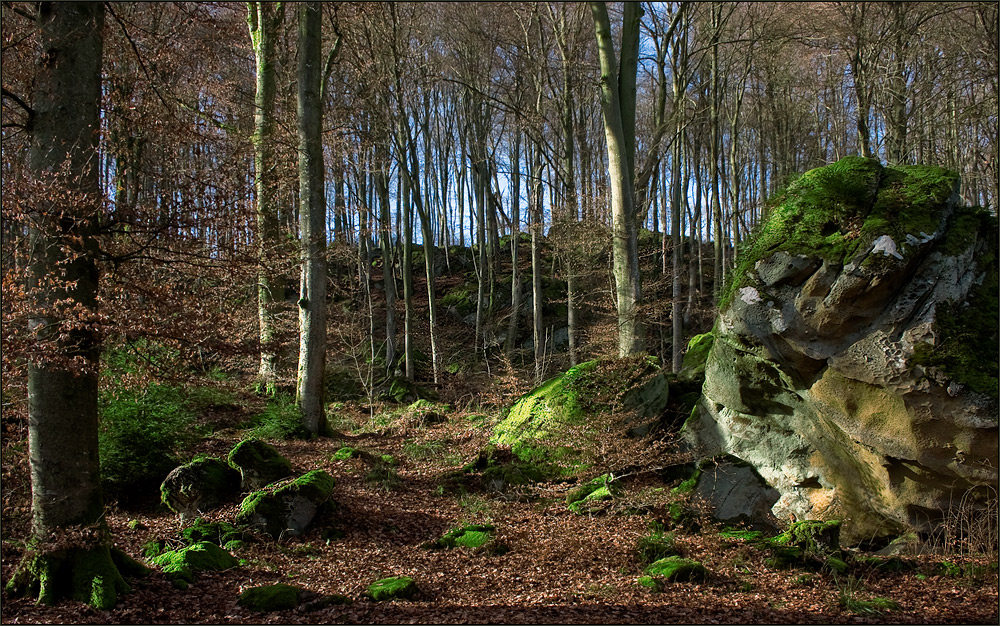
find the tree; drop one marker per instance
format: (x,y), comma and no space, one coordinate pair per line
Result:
(263,19)
(312,222)
(618,94)
(70,552)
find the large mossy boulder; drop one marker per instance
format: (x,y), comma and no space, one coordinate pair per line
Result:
(199,486)
(557,419)
(288,510)
(854,361)
(259,463)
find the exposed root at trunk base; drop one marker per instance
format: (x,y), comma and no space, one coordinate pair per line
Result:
(93,574)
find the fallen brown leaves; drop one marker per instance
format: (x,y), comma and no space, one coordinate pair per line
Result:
(562,568)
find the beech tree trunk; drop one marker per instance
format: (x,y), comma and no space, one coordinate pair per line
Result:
(621,150)
(63,286)
(312,224)
(263,19)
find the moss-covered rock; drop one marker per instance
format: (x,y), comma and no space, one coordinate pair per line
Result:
(394,588)
(554,421)
(288,510)
(812,536)
(201,485)
(593,495)
(280,597)
(259,463)
(693,366)
(835,372)
(468,536)
(498,469)
(267,598)
(673,569)
(182,565)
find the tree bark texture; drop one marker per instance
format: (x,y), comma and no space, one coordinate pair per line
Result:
(263,19)
(312,223)
(624,244)
(63,285)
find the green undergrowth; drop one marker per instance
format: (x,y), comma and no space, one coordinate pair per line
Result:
(498,469)
(280,419)
(854,599)
(658,544)
(143,434)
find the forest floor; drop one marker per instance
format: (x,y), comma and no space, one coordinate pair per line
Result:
(561,567)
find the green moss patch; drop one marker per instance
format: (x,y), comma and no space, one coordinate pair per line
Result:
(395,588)
(183,564)
(469,536)
(696,356)
(555,421)
(812,536)
(347,452)
(592,495)
(749,536)
(272,510)
(219,533)
(268,598)
(673,569)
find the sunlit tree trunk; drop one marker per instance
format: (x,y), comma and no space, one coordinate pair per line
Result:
(263,19)
(619,129)
(379,180)
(515,240)
(312,223)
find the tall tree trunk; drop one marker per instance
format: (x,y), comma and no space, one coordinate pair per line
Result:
(388,263)
(406,216)
(713,158)
(263,19)
(535,211)
(515,241)
(312,223)
(63,286)
(621,151)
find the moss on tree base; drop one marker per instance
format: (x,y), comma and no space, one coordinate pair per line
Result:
(93,575)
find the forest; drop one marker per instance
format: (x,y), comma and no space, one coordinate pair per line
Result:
(500,312)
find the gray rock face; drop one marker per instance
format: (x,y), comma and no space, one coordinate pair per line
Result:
(198,486)
(816,376)
(737,493)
